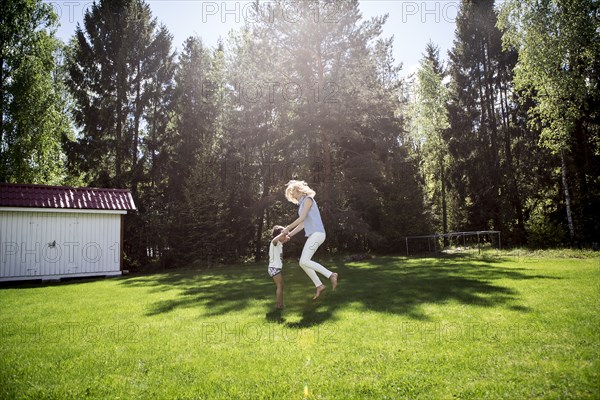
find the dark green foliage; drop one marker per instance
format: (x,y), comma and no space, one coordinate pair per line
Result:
(207,140)
(121,76)
(558,42)
(33,120)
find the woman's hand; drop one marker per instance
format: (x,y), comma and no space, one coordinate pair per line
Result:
(300,220)
(282,238)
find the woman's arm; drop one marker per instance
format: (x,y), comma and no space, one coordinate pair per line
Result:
(307,205)
(297,229)
(279,238)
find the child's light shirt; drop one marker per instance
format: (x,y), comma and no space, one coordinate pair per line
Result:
(275,255)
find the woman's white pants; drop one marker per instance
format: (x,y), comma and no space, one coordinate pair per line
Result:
(309,266)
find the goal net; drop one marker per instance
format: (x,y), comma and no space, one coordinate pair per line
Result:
(453,242)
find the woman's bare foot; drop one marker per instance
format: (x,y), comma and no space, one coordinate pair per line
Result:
(320,289)
(334,278)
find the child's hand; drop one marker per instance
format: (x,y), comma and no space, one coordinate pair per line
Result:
(284,239)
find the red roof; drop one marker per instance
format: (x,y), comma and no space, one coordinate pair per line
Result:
(42,196)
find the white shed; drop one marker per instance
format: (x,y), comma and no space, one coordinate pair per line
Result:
(53,232)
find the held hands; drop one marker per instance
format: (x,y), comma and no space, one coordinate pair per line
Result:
(284,238)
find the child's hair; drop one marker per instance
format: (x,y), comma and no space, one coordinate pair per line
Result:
(300,186)
(276,231)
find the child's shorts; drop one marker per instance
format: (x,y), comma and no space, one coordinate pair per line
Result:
(274,271)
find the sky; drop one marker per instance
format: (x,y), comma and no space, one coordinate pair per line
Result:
(411,23)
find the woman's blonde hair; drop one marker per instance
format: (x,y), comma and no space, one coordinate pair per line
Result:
(301,187)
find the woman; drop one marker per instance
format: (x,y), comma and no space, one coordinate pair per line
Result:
(308,219)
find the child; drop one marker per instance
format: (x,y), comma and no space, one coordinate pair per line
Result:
(275,262)
(309,219)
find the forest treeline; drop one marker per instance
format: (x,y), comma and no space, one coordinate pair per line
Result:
(503,134)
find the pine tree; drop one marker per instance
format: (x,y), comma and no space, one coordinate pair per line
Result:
(198,205)
(155,149)
(474,137)
(429,120)
(109,74)
(120,75)
(343,129)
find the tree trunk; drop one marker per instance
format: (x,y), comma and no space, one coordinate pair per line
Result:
(154,141)
(444,208)
(136,131)
(1,102)
(119,136)
(260,220)
(258,238)
(488,103)
(120,122)
(324,135)
(515,197)
(567,195)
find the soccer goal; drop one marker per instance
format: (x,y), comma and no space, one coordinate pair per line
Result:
(453,242)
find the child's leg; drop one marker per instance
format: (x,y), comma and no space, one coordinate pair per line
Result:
(309,266)
(278,279)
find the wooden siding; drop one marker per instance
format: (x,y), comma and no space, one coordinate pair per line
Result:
(52,245)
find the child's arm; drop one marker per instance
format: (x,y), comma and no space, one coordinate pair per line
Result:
(278,238)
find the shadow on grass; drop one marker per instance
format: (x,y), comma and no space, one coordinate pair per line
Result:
(66,281)
(275,315)
(388,284)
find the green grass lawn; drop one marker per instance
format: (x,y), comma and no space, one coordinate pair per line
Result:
(506,327)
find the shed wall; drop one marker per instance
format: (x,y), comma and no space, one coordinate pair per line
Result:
(49,245)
